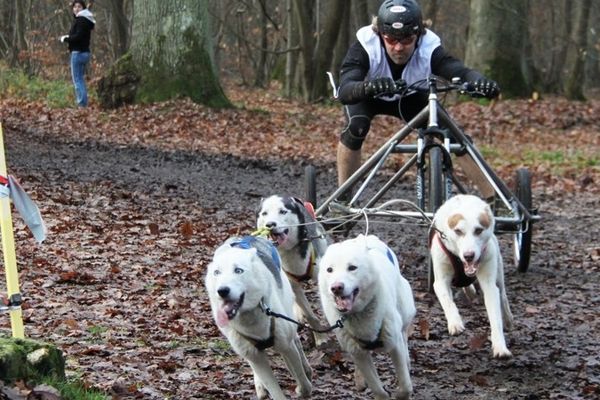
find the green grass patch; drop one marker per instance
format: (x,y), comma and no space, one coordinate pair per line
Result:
(17,84)
(562,159)
(74,389)
(489,152)
(97,332)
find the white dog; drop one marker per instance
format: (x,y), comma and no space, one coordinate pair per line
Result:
(243,280)
(301,243)
(361,285)
(464,247)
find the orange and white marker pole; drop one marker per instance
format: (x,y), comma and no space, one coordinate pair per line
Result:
(8,248)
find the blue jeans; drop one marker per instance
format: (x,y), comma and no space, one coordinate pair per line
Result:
(79,61)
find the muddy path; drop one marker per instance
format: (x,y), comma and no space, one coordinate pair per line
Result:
(99,201)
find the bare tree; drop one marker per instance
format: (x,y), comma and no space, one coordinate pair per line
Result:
(20,28)
(119,26)
(576,54)
(497,43)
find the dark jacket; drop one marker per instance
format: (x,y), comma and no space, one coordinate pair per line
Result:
(81,31)
(356,66)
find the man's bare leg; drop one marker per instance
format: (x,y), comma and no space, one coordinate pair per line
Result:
(348,161)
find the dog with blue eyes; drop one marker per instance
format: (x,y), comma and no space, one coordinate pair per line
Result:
(464,249)
(246,287)
(301,242)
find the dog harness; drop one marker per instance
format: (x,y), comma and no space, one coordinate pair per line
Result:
(372,344)
(262,344)
(309,268)
(460,279)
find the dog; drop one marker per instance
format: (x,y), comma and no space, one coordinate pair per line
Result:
(243,281)
(464,248)
(301,242)
(360,285)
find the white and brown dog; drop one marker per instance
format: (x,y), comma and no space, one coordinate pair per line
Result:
(243,281)
(464,248)
(360,285)
(301,242)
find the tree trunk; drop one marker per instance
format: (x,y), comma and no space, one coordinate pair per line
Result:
(430,10)
(576,54)
(119,31)
(171,51)
(362,13)
(324,50)
(20,44)
(345,36)
(497,42)
(260,78)
(592,71)
(303,20)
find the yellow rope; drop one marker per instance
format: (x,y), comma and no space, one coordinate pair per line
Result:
(263,232)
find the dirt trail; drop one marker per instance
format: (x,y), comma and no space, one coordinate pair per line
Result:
(145,288)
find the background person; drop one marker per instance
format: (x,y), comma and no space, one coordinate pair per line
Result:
(79,46)
(395,46)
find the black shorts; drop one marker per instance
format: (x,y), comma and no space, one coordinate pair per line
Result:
(359,116)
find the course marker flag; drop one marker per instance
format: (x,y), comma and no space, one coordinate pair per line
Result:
(8,248)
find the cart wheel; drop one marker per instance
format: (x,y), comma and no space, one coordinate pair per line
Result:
(310,181)
(436,197)
(523,239)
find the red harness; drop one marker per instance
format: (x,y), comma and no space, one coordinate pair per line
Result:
(460,279)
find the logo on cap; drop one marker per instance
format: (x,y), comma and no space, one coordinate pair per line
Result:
(397,25)
(398,9)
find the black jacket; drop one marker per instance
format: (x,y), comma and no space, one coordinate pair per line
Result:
(356,66)
(79,35)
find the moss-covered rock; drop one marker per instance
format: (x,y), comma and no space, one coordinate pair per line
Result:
(26,359)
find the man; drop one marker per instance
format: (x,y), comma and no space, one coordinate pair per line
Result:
(396,46)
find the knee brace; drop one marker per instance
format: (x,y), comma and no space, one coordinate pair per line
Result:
(355,132)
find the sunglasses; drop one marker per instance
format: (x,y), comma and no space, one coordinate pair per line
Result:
(405,41)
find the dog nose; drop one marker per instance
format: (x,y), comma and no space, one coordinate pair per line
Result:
(271,224)
(469,256)
(337,288)
(223,292)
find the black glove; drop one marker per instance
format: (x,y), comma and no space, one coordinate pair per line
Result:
(487,87)
(380,86)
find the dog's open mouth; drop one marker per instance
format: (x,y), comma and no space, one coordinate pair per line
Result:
(471,268)
(279,236)
(229,310)
(345,303)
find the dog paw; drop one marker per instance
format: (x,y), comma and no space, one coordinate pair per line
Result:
(382,396)
(402,395)
(501,352)
(304,391)
(261,392)
(359,381)
(455,328)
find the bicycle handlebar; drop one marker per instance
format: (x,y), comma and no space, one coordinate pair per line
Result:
(436,84)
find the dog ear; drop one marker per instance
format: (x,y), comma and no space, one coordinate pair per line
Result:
(454,219)
(486,218)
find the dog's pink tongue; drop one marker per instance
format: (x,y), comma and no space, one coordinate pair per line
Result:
(222,318)
(281,239)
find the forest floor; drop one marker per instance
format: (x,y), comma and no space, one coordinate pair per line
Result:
(136,200)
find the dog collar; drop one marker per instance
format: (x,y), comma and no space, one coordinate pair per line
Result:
(460,279)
